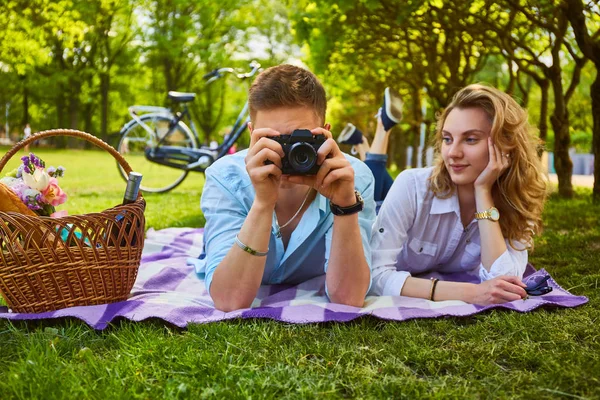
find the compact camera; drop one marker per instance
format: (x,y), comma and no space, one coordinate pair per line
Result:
(300,149)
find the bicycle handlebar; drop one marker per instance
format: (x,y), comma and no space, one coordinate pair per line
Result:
(219,73)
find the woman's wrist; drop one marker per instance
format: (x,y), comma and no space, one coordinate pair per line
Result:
(469,292)
(483,198)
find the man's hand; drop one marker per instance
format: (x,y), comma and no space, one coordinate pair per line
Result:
(265,178)
(335,179)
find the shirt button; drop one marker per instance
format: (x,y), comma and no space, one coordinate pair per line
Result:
(468,241)
(421,250)
(381,230)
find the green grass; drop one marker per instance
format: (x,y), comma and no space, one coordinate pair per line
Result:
(543,354)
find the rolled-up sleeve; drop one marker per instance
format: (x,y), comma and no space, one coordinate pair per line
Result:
(225,214)
(512,262)
(390,231)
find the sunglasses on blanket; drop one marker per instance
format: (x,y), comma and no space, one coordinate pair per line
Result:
(538,287)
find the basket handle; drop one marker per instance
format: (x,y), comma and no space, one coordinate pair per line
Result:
(65,132)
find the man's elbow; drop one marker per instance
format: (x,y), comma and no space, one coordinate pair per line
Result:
(348,299)
(231,303)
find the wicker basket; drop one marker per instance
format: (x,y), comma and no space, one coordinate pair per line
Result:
(52,263)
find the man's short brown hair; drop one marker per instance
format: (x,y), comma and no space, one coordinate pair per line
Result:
(287,86)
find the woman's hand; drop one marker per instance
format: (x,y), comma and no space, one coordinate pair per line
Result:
(498,163)
(498,290)
(265,177)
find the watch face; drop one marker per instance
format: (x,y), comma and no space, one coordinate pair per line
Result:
(494,214)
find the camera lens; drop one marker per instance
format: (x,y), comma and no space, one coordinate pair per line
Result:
(302,157)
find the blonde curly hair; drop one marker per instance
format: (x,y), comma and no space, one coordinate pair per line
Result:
(520,192)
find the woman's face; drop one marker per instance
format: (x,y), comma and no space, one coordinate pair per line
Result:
(465,144)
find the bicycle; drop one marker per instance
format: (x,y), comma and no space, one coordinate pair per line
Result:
(161,146)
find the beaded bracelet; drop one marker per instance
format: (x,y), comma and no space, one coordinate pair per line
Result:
(248,249)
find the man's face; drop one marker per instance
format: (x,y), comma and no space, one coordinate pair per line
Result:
(286,119)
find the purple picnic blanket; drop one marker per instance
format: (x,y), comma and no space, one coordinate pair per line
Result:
(168,288)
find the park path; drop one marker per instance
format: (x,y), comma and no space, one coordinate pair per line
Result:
(578,180)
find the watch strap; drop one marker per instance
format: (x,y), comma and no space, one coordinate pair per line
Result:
(483,215)
(353,209)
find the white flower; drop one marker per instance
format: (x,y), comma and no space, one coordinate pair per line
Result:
(30,193)
(38,181)
(8,181)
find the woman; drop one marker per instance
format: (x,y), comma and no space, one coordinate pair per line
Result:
(475,211)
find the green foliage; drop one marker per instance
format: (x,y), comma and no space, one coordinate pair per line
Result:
(79,64)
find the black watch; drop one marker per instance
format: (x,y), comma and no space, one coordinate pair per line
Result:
(353,209)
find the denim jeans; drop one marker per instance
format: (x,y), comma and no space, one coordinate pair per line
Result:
(383,180)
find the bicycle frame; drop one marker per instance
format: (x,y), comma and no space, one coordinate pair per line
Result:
(236,131)
(196,157)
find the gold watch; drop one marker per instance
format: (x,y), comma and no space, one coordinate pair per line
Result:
(491,213)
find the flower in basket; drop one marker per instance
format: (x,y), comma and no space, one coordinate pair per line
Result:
(37,186)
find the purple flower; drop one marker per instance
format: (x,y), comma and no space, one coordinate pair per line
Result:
(51,171)
(25,159)
(20,171)
(27,170)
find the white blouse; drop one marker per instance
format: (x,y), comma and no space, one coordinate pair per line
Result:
(416,232)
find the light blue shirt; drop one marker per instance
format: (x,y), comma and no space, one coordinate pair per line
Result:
(227,197)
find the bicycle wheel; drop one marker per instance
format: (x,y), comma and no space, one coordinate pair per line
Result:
(136,139)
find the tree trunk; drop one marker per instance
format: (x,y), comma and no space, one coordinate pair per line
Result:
(426,144)
(543,125)
(397,149)
(25,103)
(562,140)
(595,93)
(416,126)
(104,106)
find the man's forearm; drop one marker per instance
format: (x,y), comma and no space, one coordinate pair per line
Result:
(348,271)
(237,278)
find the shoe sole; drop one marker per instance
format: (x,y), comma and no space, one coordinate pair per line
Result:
(393,105)
(346,133)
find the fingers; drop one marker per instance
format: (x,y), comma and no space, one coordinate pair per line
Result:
(322,131)
(505,288)
(328,149)
(513,280)
(499,161)
(504,297)
(257,134)
(512,288)
(328,165)
(345,174)
(262,173)
(261,157)
(264,143)
(492,152)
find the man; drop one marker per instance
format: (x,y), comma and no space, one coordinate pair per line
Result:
(266,227)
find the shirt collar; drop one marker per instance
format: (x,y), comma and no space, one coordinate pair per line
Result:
(445,206)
